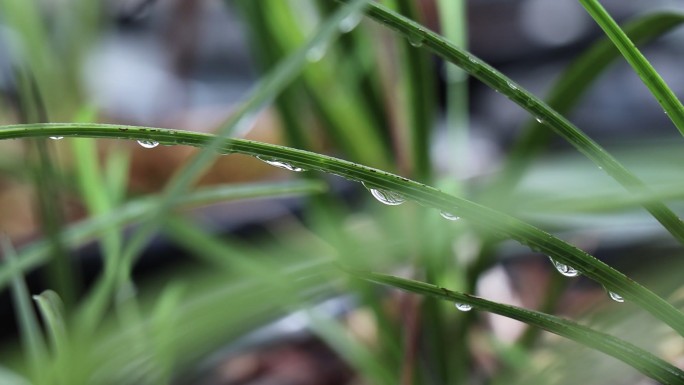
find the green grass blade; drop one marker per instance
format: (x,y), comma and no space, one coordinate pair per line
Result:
(420,84)
(572,85)
(37,253)
(651,78)
(95,191)
(632,355)
(602,203)
(354,352)
(248,262)
(453,24)
(29,328)
(481,216)
(270,86)
(52,310)
(529,102)
(332,91)
(163,320)
(63,275)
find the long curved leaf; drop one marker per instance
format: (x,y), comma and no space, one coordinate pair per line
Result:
(572,85)
(632,355)
(535,106)
(493,220)
(651,78)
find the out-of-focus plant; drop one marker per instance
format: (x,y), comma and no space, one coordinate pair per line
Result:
(330,68)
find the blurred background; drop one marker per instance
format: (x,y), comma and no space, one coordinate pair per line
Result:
(239,292)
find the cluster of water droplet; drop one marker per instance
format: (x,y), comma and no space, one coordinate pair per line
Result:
(570,271)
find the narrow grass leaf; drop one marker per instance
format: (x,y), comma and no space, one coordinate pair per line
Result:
(29,328)
(263,94)
(484,217)
(535,106)
(571,86)
(651,78)
(51,309)
(632,355)
(419,85)
(248,262)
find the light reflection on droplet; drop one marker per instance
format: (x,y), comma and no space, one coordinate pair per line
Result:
(564,269)
(148,143)
(449,216)
(385,196)
(615,296)
(281,164)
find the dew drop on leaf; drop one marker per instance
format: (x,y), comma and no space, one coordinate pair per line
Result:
(615,296)
(415,40)
(564,269)
(449,216)
(56,137)
(148,143)
(387,197)
(463,306)
(281,164)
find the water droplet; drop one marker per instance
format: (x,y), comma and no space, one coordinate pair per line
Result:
(615,297)
(350,22)
(387,197)
(281,164)
(449,216)
(564,269)
(463,306)
(316,53)
(148,143)
(539,120)
(512,86)
(415,40)
(56,137)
